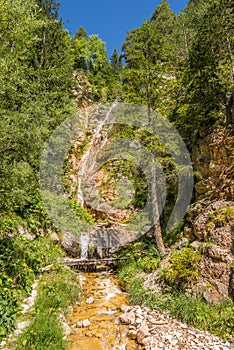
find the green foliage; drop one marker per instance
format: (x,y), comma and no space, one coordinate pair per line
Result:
(35,94)
(174,235)
(141,255)
(90,56)
(20,261)
(56,292)
(196,312)
(80,212)
(183,268)
(116,171)
(9,223)
(221,216)
(207,76)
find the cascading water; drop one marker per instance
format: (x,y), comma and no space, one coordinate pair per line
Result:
(95,321)
(84,241)
(88,160)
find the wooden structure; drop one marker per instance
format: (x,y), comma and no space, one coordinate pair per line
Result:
(89,264)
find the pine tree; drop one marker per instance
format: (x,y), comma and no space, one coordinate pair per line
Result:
(81,34)
(116,62)
(163,18)
(208,78)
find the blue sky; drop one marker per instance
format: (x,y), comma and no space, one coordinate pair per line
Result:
(110,19)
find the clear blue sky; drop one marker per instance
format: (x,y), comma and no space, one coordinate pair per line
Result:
(110,19)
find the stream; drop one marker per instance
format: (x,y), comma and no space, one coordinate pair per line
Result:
(95,320)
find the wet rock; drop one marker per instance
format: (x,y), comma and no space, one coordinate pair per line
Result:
(131,346)
(132,334)
(70,243)
(90,300)
(86,323)
(125,308)
(79,324)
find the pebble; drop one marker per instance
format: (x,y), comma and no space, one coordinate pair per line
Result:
(86,323)
(90,300)
(157,330)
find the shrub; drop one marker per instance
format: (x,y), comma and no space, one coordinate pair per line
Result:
(183,268)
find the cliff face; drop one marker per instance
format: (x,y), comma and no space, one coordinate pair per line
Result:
(211,218)
(213,159)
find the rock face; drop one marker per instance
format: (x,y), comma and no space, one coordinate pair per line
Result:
(213,230)
(212,157)
(210,223)
(71,244)
(156,330)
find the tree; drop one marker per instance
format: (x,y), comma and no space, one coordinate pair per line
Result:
(208,78)
(163,18)
(147,56)
(116,62)
(35,94)
(81,34)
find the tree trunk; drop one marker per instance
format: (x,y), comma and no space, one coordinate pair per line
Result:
(155,212)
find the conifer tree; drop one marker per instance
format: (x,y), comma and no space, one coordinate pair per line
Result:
(116,62)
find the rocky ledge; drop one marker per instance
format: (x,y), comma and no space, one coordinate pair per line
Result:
(156,330)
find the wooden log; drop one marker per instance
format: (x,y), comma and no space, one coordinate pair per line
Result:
(89,262)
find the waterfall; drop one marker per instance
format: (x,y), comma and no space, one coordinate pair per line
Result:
(88,160)
(84,242)
(80,196)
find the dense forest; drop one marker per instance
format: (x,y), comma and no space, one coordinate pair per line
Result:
(179,65)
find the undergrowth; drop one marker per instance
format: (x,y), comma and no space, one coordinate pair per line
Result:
(20,262)
(57,290)
(195,311)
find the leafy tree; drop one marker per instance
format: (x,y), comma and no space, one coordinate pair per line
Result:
(35,95)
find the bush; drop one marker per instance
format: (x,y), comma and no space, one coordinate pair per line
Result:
(183,268)
(142,254)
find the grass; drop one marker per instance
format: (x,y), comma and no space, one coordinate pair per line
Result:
(57,290)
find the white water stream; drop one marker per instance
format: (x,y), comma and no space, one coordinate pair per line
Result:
(88,160)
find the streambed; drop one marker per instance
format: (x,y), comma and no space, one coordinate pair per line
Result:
(95,321)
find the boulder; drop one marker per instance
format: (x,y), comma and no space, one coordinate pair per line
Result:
(70,243)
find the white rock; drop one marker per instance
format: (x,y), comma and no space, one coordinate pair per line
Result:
(86,323)
(79,324)
(127,318)
(90,300)
(142,332)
